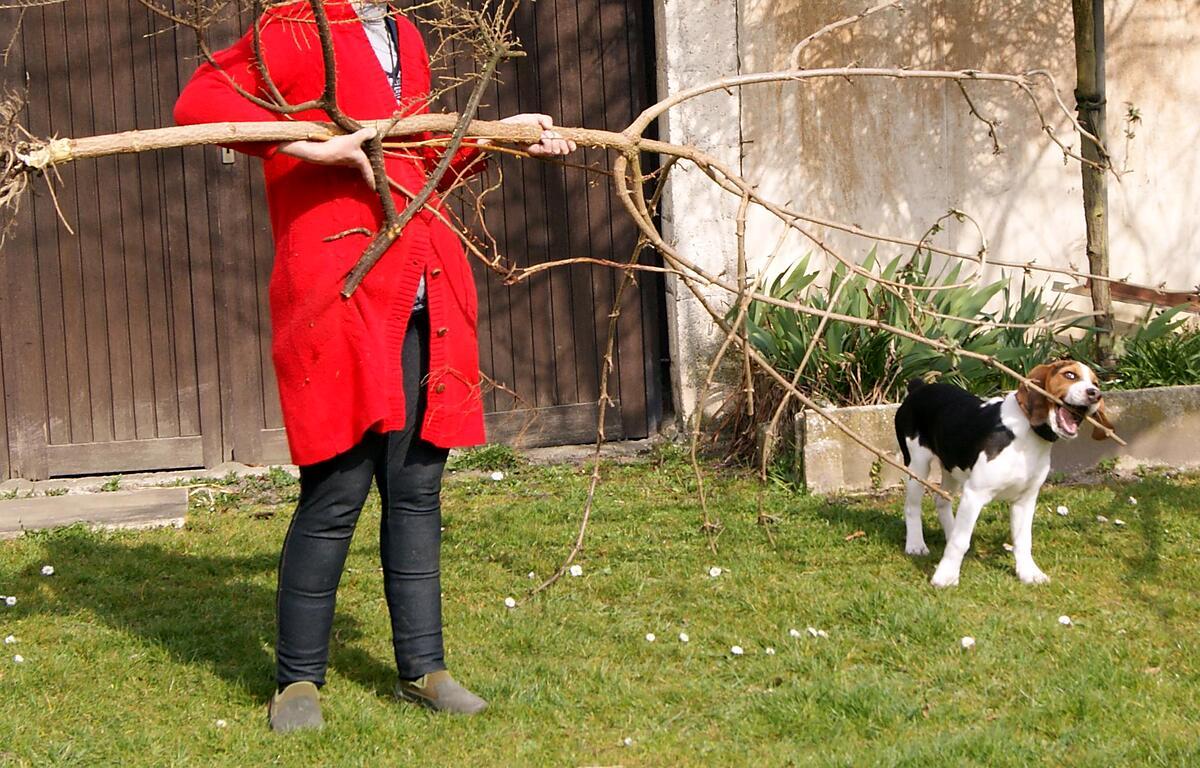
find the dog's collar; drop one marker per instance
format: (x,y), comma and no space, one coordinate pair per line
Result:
(1044,431)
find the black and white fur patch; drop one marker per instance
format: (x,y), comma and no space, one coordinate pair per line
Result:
(987,449)
(953,424)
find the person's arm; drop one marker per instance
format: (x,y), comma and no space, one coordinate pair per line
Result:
(340,150)
(211,97)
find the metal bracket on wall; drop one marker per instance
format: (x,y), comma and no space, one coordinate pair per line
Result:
(227,156)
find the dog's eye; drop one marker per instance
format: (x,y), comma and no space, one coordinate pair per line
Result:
(1070,375)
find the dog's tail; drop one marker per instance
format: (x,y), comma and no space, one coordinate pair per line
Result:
(915,384)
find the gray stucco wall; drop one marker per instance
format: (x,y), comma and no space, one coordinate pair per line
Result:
(894,156)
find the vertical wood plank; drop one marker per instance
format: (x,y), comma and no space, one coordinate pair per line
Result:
(264,259)
(5,472)
(592,207)
(26,220)
(153,330)
(235,291)
(639,31)
(197,220)
(21,343)
(101,233)
(635,414)
(496,334)
(596,111)
(538,236)
(25,406)
(88,241)
(185,215)
(55,243)
(458,67)
(128,300)
(620,105)
(515,304)
(557,66)
(39,207)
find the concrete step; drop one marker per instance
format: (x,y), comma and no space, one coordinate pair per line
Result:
(143,508)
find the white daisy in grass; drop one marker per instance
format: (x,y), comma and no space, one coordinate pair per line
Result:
(1065,620)
(968,642)
(1101,519)
(10,600)
(650,637)
(769,651)
(10,640)
(1132,501)
(1118,521)
(683,637)
(737,650)
(1062,510)
(510,603)
(47,570)
(715,571)
(795,633)
(576,570)
(221,723)
(627,741)
(497,475)
(18,659)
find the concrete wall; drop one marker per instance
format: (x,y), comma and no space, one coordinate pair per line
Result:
(1152,421)
(895,156)
(696,44)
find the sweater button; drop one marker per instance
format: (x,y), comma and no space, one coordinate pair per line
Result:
(435,272)
(440,388)
(442,331)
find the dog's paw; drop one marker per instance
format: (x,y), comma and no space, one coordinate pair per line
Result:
(1031,574)
(944,577)
(917,549)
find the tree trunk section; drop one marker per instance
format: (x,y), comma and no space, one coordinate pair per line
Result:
(1089,98)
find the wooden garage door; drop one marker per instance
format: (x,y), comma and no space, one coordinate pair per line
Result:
(108,332)
(142,341)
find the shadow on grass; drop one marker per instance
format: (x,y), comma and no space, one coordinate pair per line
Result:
(203,610)
(883,521)
(1143,572)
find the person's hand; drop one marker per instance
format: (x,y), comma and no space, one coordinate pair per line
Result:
(551,143)
(345,149)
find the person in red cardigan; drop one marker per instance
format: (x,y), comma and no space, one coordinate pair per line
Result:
(378,386)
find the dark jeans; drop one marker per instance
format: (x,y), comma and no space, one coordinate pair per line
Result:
(408,471)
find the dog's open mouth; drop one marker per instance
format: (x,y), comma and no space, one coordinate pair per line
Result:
(1069,419)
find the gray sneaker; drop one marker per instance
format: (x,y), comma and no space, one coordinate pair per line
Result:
(297,707)
(437,690)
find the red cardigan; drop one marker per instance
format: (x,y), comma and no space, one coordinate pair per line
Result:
(338,360)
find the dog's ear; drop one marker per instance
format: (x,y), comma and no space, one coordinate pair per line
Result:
(1102,417)
(1034,403)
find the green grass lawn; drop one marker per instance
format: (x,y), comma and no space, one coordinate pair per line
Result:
(154,648)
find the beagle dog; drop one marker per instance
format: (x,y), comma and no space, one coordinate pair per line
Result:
(994,449)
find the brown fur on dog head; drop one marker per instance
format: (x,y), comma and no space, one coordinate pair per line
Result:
(1057,378)
(1034,403)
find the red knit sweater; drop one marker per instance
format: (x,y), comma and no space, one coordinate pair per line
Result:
(338,360)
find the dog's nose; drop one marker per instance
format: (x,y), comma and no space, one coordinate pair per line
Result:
(1093,394)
